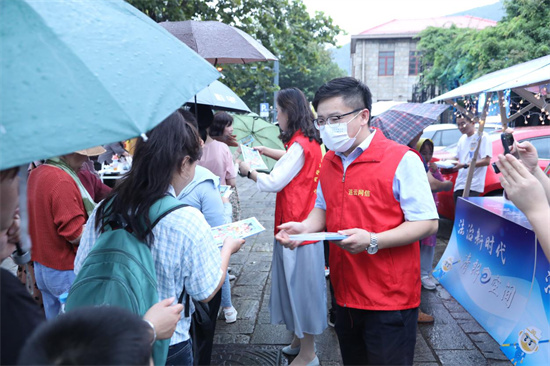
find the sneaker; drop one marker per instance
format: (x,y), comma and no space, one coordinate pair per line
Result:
(331,317)
(424,318)
(231,277)
(428,283)
(230,315)
(229,269)
(327,271)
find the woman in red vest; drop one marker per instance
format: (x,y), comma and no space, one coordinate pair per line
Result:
(298,288)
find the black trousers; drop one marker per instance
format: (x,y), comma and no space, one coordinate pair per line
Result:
(376,337)
(203,339)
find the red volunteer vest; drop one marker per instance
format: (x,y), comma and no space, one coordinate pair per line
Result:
(297,199)
(363,198)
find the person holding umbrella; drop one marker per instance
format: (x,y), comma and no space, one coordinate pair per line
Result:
(301,271)
(375,192)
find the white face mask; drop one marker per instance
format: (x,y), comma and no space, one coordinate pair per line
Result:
(335,136)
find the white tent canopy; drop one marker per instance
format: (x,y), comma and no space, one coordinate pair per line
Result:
(529,73)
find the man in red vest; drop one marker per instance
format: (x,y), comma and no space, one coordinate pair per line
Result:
(375,192)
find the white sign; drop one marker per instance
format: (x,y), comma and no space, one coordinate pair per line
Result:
(264,110)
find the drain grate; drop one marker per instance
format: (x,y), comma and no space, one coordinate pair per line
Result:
(247,354)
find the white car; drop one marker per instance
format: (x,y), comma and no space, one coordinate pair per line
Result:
(442,135)
(445,134)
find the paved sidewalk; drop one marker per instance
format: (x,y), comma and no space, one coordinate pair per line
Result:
(455,338)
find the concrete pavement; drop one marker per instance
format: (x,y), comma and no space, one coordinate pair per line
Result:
(455,338)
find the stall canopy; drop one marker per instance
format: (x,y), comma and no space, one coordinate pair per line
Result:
(516,78)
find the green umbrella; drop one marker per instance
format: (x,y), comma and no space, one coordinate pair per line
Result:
(262,133)
(77,74)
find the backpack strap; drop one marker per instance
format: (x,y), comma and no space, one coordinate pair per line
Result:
(158,211)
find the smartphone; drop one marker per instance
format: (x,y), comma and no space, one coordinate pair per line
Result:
(507,140)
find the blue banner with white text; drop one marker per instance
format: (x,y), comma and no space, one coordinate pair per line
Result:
(494,267)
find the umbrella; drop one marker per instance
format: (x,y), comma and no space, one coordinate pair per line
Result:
(219,43)
(402,122)
(220,97)
(77,74)
(262,133)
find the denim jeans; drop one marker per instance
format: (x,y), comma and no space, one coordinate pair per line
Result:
(52,283)
(226,293)
(180,354)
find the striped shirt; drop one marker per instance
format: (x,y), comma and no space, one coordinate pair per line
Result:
(183,252)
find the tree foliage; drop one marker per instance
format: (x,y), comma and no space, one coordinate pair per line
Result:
(455,56)
(282,26)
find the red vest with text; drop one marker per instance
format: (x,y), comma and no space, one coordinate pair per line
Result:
(297,199)
(363,198)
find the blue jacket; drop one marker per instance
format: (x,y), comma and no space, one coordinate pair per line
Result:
(203,194)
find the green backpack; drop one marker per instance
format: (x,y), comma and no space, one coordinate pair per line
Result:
(119,271)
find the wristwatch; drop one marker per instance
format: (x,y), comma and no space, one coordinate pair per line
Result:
(373,246)
(248,174)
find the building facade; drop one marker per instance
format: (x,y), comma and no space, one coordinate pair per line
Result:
(386,57)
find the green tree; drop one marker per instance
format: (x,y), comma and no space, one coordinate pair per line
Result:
(454,56)
(282,26)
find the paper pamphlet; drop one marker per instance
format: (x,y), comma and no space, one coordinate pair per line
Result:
(240,230)
(247,140)
(225,191)
(317,237)
(253,158)
(446,164)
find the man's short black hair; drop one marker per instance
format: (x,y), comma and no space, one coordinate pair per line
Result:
(355,94)
(103,335)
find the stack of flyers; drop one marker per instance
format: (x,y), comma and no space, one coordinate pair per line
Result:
(253,158)
(239,230)
(317,237)
(225,191)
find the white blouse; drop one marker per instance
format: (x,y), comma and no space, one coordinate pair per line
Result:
(286,168)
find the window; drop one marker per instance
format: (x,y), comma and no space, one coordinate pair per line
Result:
(414,62)
(542,144)
(385,63)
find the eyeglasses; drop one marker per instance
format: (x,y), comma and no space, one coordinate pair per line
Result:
(321,122)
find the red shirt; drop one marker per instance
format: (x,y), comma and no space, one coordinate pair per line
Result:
(56,216)
(296,200)
(363,198)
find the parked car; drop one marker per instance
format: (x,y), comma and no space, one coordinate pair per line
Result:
(539,136)
(446,134)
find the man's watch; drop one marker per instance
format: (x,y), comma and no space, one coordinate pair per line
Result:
(373,246)
(248,174)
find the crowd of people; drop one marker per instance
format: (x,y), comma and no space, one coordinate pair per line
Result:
(379,195)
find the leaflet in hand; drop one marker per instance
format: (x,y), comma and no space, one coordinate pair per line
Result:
(446,164)
(239,230)
(317,237)
(225,191)
(253,158)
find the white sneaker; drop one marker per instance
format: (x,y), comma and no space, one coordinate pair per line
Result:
(230,315)
(428,283)
(231,277)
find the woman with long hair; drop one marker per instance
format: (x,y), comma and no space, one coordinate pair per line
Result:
(182,246)
(298,289)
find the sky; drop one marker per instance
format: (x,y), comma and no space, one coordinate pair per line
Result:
(355,16)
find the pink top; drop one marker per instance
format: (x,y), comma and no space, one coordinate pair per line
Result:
(217,158)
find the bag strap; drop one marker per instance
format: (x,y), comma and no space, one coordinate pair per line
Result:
(158,211)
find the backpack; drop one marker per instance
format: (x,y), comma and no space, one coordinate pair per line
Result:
(119,271)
